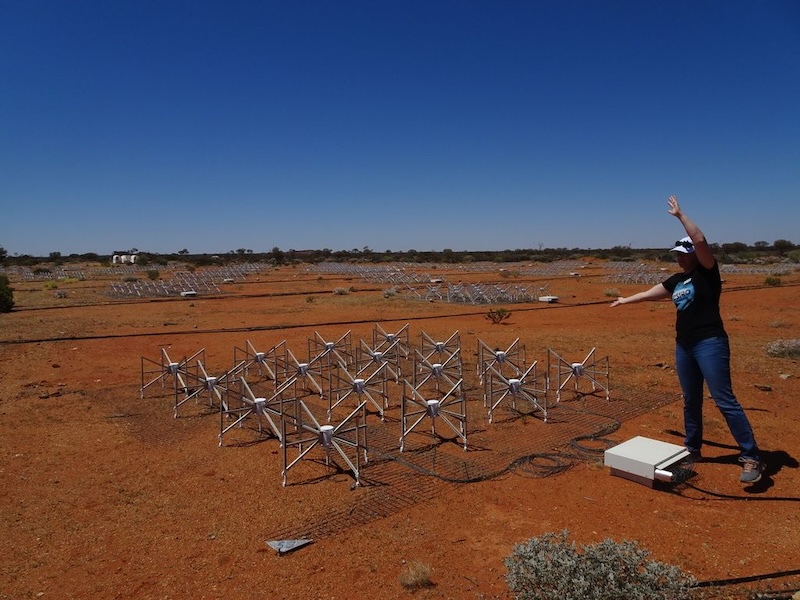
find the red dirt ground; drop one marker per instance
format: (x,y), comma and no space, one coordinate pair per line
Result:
(106,495)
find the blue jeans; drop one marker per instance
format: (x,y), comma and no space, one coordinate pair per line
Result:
(709,360)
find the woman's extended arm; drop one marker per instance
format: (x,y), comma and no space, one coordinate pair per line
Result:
(657,292)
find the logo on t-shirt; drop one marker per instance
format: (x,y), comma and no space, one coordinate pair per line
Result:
(683,294)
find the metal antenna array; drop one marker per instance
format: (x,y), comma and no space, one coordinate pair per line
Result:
(387,359)
(525,386)
(266,362)
(592,369)
(322,405)
(509,363)
(370,388)
(437,374)
(395,347)
(418,405)
(201,384)
(327,356)
(166,368)
(334,353)
(303,373)
(438,351)
(242,403)
(347,440)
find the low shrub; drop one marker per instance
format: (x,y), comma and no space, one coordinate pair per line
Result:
(784,348)
(549,567)
(6,294)
(773,281)
(498,315)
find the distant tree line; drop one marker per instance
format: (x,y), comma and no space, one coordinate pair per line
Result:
(735,252)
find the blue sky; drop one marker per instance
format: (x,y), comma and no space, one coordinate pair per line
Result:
(395,124)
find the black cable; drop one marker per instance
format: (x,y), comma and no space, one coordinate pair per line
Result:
(732,497)
(747,579)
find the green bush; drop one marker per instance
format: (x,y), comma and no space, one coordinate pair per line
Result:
(153,274)
(498,315)
(773,281)
(6,294)
(549,567)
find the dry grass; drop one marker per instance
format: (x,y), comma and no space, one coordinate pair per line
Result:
(416,576)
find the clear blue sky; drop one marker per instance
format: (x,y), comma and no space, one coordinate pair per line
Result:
(395,124)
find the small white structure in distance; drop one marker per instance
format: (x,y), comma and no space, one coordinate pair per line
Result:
(644,460)
(549,299)
(124,259)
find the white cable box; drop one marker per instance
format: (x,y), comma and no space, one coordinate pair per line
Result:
(644,460)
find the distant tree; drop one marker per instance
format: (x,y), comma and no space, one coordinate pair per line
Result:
(183,252)
(3,254)
(55,256)
(277,255)
(734,247)
(761,245)
(782,246)
(6,294)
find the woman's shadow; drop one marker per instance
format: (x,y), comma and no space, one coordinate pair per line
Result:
(774,461)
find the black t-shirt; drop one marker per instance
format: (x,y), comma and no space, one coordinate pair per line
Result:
(696,296)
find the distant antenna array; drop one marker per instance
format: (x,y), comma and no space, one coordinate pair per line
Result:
(319,406)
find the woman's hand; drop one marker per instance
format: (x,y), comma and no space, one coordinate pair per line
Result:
(674,208)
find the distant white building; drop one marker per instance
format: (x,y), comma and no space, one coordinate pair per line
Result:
(125,257)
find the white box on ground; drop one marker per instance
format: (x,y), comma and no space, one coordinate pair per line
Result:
(644,460)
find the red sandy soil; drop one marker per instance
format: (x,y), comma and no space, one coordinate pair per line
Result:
(107,495)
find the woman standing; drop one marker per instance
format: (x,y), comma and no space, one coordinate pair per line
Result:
(702,350)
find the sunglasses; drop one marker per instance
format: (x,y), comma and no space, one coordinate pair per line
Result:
(687,245)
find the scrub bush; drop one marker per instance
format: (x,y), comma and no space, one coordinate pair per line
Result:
(784,348)
(498,315)
(549,567)
(6,294)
